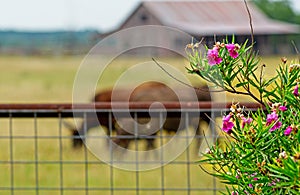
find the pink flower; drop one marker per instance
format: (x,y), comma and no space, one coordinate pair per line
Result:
(213,57)
(230,46)
(277,125)
(246,121)
(227,124)
(232,50)
(273,117)
(288,131)
(282,108)
(296,91)
(234,193)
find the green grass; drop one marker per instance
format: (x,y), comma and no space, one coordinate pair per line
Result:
(50,79)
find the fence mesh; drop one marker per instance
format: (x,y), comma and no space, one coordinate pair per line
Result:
(37,157)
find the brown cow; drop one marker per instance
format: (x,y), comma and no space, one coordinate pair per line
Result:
(150,92)
(109,95)
(160,93)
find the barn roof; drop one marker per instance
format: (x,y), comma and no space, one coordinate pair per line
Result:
(215,17)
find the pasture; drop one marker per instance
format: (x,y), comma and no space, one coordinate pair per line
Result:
(49,80)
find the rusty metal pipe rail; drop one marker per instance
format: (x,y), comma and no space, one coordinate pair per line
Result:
(70,110)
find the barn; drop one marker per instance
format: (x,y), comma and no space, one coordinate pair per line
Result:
(210,19)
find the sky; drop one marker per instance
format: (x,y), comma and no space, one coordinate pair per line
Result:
(43,15)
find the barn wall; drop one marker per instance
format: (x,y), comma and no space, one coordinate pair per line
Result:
(141,17)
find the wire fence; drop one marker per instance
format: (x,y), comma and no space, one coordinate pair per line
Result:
(37,155)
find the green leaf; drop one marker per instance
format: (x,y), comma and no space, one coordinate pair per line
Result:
(241,84)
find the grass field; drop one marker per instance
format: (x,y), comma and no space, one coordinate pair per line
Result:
(50,79)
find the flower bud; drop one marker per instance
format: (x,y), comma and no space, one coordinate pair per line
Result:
(284,60)
(297,156)
(283,155)
(296,91)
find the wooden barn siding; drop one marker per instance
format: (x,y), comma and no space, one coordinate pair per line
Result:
(136,19)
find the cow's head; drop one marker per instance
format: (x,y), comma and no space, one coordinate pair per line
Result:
(77,141)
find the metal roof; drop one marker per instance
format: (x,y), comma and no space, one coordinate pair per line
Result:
(216,17)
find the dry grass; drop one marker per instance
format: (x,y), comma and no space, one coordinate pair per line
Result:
(50,79)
